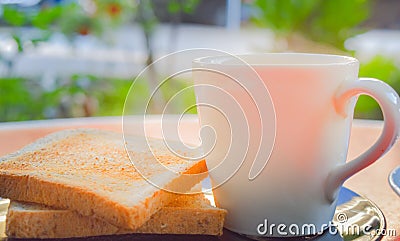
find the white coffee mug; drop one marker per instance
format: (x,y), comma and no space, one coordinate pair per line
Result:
(280,127)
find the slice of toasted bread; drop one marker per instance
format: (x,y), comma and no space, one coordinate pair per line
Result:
(186,214)
(90,172)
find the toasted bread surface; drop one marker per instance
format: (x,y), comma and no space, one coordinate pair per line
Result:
(89,171)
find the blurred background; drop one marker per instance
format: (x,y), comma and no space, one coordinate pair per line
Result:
(75,58)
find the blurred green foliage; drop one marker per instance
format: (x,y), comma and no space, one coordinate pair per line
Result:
(82,95)
(180,93)
(71,18)
(13,16)
(178,6)
(16,100)
(328,21)
(381,68)
(27,99)
(47,16)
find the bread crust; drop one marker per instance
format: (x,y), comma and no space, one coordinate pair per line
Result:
(72,170)
(187,214)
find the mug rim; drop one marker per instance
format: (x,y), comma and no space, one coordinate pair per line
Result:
(276,60)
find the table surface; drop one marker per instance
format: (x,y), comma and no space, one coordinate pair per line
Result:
(371,182)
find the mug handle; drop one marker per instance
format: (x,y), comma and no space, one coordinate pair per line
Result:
(388,100)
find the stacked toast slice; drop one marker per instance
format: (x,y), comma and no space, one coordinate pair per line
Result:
(85,181)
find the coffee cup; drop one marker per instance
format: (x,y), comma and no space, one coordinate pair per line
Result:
(276,128)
